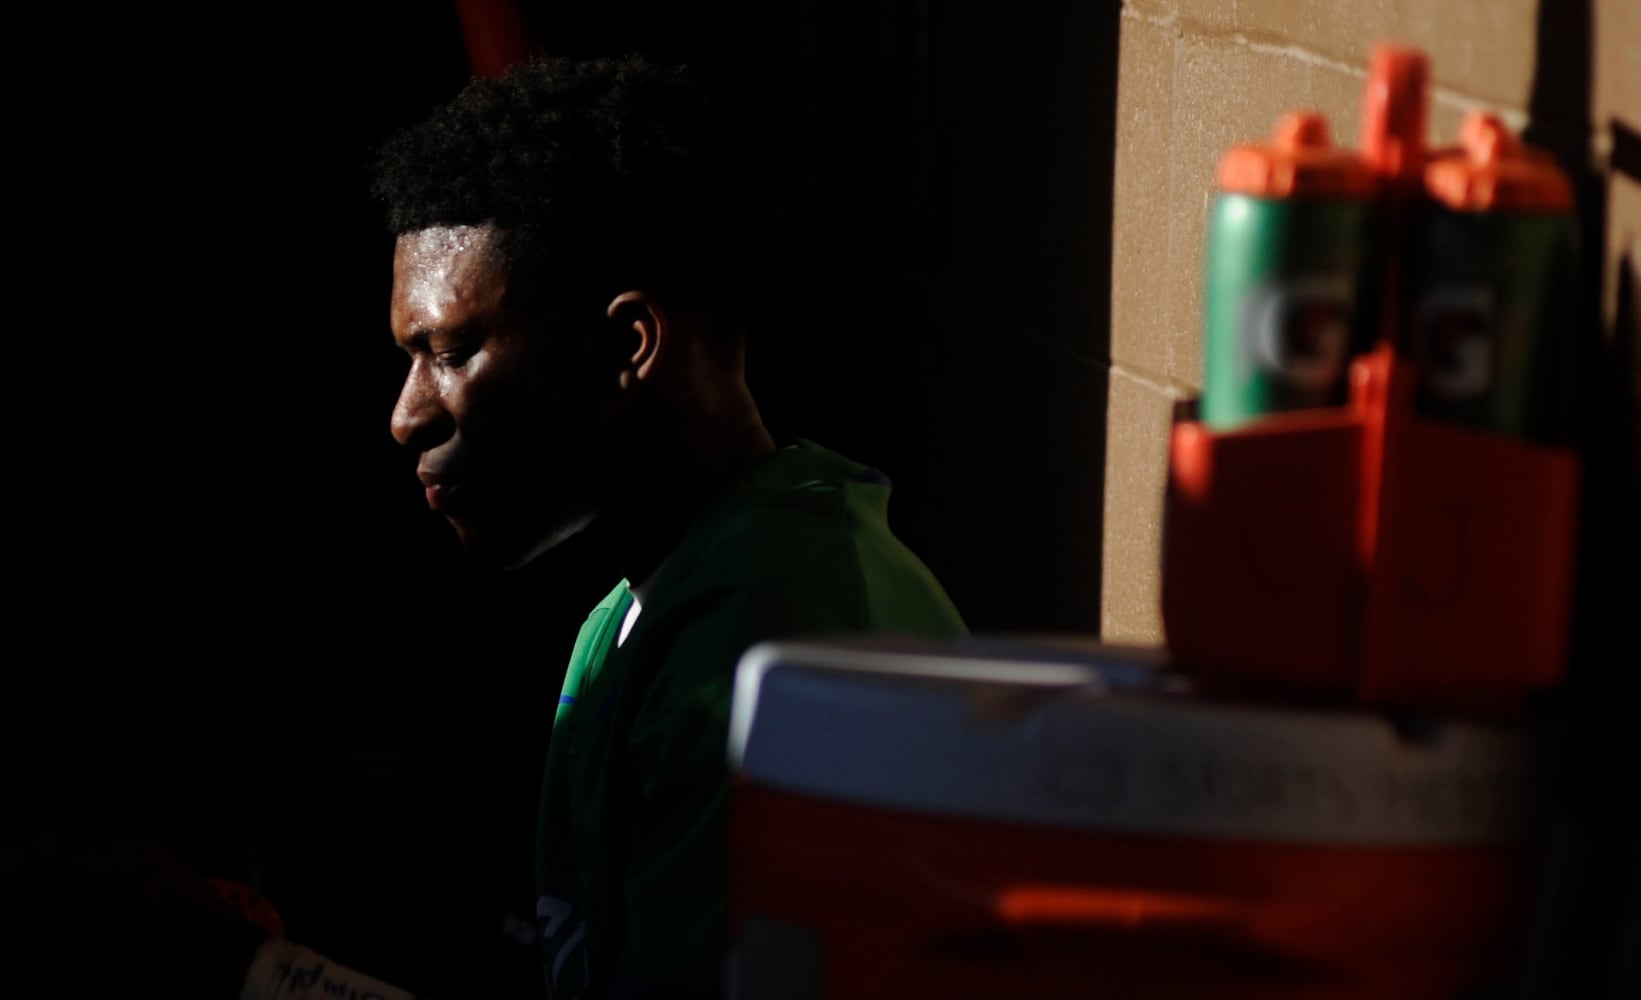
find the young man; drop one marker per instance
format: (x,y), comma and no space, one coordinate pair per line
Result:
(573,281)
(576,274)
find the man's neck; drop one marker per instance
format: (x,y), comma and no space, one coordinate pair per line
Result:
(662,497)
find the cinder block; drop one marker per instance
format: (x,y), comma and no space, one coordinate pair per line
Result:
(1139,257)
(1224,94)
(1483,49)
(1623,248)
(1157,9)
(1337,93)
(1211,16)
(1138,418)
(1342,30)
(1618,62)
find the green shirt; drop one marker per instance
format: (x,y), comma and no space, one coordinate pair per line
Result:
(631,865)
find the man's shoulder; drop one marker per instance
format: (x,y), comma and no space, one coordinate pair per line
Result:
(801,521)
(800,548)
(801,545)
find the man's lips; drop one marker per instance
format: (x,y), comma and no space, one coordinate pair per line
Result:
(442,491)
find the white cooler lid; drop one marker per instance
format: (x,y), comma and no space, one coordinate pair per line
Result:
(1100,738)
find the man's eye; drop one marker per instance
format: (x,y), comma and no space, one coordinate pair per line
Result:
(455,355)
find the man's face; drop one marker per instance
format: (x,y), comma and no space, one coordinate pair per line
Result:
(509,409)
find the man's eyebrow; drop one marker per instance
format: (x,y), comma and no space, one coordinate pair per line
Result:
(421,338)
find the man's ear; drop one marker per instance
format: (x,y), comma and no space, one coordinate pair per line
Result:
(637,317)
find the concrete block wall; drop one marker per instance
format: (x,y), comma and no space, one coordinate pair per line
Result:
(1197,76)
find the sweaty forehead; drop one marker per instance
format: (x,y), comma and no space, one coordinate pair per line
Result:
(446,269)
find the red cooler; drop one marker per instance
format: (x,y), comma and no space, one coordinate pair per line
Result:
(991,818)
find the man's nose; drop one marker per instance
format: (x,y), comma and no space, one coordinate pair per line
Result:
(420,420)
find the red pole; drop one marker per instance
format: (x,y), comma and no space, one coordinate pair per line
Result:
(496,33)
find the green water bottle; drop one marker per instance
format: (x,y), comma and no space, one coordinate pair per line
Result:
(1491,280)
(1288,300)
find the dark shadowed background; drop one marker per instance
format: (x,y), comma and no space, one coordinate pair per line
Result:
(243,635)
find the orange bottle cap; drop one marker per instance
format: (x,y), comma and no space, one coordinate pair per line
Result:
(1394,109)
(1300,162)
(1492,171)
